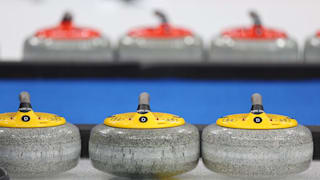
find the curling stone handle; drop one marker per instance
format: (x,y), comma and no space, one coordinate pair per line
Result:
(257,23)
(67,17)
(144,103)
(163,18)
(25,104)
(256,18)
(257,107)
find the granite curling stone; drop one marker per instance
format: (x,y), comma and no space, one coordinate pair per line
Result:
(257,144)
(312,49)
(68,43)
(161,44)
(144,144)
(37,144)
(255,44)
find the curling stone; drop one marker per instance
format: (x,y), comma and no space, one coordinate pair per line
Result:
(255,44)
(164,43)
(257,144)
(37,144)
(312,49)
(67,43)
(144,144)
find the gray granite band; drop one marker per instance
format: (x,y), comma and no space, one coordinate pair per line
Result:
(228,50)
(91,50)
(257,153)
(175,50)
(144,152)
(312,50)
(30,152)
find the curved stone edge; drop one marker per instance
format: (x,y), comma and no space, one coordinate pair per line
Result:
(138,161)
(38,157)
(186,50)
(260,161)
(228,50)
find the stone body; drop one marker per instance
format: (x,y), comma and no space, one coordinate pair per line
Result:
(31,152)
(45,50)
(257,153)
(228,50)
(144,152)
(188,49)
(312,50)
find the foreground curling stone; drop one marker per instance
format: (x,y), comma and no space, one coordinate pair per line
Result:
(312,49)
(144,144)
(256,44)
(257,144)
(37,144)
(67,43)
(164,43)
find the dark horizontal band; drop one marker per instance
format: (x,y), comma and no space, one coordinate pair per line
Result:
(135,70)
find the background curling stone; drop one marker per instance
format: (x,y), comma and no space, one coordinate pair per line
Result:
(37,144)
(255,44)
(257,144)
(144,144)
(164,43)
(66,43)
(312,49)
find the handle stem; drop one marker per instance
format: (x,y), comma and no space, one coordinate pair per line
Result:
(144,103)
(257,107)
(163,19)
(67,18)
(25,104)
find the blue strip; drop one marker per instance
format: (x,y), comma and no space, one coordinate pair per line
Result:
(200,102)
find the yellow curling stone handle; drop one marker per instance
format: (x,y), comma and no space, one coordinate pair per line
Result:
(27,118)
(257,118)
(144,118)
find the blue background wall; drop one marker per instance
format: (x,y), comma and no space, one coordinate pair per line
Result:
(198,101)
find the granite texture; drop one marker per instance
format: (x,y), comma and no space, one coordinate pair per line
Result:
(180,50)
(30,152)
(312,50)
(228,50)
(257,153)
(144,152)
(92,50)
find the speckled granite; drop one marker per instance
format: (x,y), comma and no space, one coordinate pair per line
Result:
(144,153)
(312,50)
(257,153)
(187,49)
(92,50)
(28,152)
(228,50)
